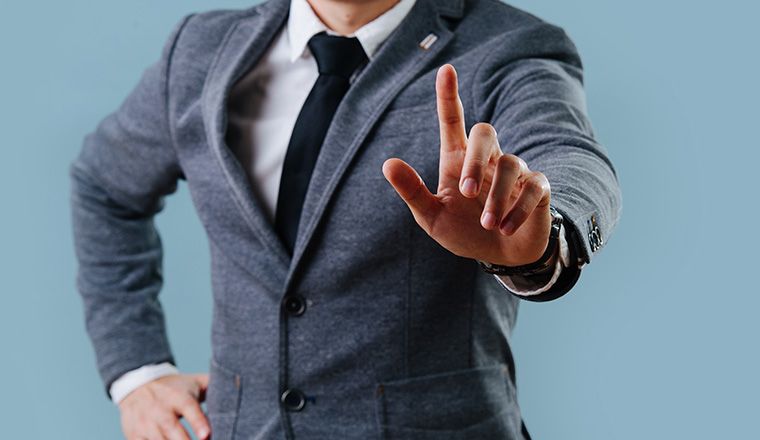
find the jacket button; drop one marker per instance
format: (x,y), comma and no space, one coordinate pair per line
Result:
(293,400)
(294,305)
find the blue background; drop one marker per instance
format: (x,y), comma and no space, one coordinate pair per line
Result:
(659,338)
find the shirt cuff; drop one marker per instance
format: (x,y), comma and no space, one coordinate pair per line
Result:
(536,284)
(132,380)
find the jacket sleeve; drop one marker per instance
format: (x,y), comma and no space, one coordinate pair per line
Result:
(119,181)
(536,102)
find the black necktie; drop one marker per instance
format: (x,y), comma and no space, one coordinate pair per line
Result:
(337,59)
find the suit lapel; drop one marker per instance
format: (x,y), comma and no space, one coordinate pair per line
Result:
(397,62)
(242,47)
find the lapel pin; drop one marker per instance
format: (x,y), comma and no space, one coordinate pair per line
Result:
(428,41)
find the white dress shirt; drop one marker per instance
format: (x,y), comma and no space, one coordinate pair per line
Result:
(263,108)
(265,103)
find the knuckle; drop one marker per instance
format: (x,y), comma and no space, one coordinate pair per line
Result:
(500,201)
(533,186)
(538,184)
(499,196)
(475,163)
(450,119)
(508,164)
(521,211)
(524,207)
(539,177)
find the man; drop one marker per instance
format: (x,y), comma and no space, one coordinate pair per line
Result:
(360,320)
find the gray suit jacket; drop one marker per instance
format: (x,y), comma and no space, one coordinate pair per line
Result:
(399,339)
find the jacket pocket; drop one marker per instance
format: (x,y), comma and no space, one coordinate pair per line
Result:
(477,403)
(225,389)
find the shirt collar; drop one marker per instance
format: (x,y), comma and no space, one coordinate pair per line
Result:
(303,24)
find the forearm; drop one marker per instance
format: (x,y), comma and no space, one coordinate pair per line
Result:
(540,116)
(537,107)
(119,278)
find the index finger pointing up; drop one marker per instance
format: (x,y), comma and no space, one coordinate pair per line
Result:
(450,112)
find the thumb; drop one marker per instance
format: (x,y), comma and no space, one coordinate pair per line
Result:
(409,185)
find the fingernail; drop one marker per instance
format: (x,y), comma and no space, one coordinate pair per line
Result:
(470,186)
(489,220)
(508,228)
(203,433)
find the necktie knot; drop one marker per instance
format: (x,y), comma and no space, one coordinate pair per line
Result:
(338,56)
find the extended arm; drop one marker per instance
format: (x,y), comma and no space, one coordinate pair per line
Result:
(496,185)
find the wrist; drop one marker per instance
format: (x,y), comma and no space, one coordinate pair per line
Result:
(550,264)
(131,380)
(544,264)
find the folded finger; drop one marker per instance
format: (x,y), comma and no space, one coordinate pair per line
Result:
(482,147)
(165,416)
(191,410)
(202,381)
(534,192)
(173,430)
(508,169)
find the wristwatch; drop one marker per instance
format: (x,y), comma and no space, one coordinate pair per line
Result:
(541,264)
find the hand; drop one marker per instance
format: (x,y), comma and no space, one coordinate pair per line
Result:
(489,206)
(152,411)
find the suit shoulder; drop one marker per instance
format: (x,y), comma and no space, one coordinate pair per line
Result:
(492,12)
(220,21)
(493,18)
(199,37)
(501,30)
(206,30)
